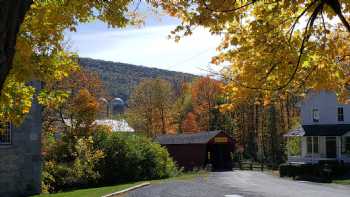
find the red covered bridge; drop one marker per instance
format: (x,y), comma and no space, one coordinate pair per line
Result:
(192,150)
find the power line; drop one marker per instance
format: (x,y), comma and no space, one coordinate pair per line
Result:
(192,57)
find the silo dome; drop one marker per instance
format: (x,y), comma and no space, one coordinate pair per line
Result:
(103,100)
(117,106)
(118,101)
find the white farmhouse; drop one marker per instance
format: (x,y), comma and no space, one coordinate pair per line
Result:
(325,130)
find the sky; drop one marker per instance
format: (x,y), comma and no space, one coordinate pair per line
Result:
(147,45)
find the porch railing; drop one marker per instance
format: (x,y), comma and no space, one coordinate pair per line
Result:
(308,159)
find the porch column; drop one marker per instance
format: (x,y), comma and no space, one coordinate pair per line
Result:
(339,145)
(288,151)
(312,149)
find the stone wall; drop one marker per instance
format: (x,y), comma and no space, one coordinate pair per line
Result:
(20,162)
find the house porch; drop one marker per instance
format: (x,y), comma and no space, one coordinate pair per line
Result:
(312,149)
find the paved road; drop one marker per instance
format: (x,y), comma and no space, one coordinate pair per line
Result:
(241,184)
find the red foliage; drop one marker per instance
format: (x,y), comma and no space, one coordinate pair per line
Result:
(205,92)
(190,123)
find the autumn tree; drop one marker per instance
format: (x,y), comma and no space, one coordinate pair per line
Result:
(183,119)
(285,45)
(207,13)
(205,95)
(197,107)
(189,123)
(271,50)
(150,107)
(223,119)
(35,30)
(272,46)
(78,106)
(259,127)
(69,131)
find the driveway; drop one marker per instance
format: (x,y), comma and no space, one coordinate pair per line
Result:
(241,184)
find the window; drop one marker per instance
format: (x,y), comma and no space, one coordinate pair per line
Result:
(5,133)
(312,143)
(347,145)
(316,115)
(340,114)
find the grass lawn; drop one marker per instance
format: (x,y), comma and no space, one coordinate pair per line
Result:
(91,192)
(100,191)
(343,181)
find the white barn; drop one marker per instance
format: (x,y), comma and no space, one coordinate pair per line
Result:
(116,125)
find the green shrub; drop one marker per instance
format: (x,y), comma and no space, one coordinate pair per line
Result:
(294,146)
(132,157)
(80,171)
(102,159)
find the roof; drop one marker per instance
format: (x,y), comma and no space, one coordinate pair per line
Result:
(188,138)
(295,132)
(320,130)
(116,125)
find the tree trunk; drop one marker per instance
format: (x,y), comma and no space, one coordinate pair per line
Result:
(162,116)
(12,14)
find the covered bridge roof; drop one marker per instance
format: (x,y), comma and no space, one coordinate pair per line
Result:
(320,130)
(188,138)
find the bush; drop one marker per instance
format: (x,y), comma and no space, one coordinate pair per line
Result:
(324,171)
(101,159)
(81,171)
(298,170)
(132,157)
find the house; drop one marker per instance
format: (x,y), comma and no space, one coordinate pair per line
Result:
(20,163)
(324,134)
(197,150)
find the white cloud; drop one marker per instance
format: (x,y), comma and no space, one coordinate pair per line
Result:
(148,46)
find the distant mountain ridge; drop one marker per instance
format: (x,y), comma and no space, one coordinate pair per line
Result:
(121,78)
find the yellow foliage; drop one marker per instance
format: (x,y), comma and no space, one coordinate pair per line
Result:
(262,42)
(40,51)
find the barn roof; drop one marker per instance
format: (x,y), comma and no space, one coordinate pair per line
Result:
(116,125)
(320,130)
(188,138)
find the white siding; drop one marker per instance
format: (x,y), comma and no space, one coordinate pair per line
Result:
(346,113)
(308,158)
(327,104)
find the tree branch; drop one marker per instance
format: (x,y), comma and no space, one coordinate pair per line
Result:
(336,7)
(12,13)
(307,35)
(298,17)
(228,10)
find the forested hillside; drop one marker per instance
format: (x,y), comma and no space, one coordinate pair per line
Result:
(121,78)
